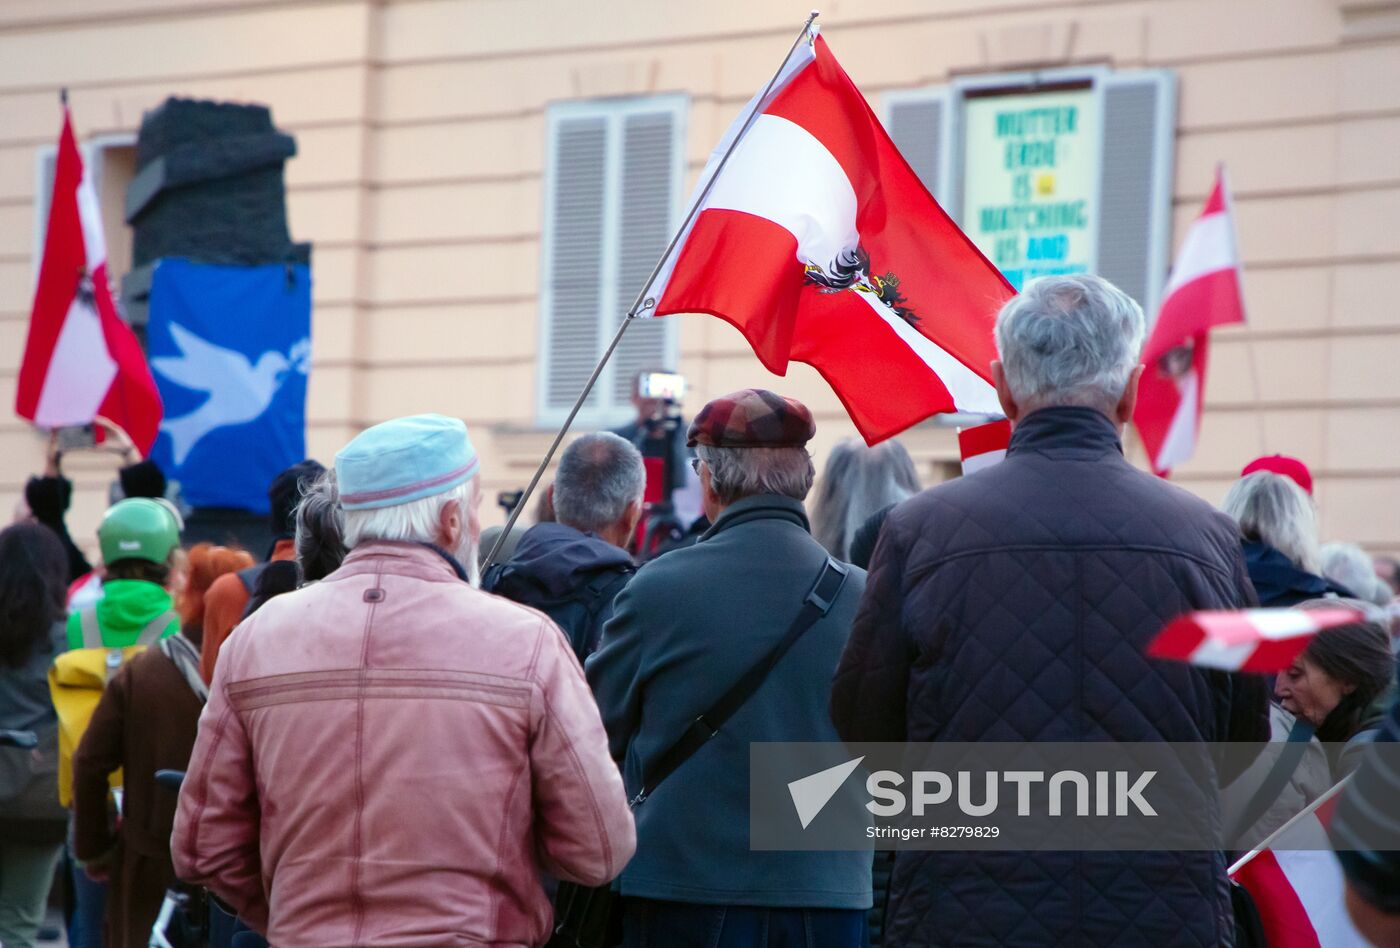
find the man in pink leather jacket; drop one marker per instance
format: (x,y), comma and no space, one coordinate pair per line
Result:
(391,757)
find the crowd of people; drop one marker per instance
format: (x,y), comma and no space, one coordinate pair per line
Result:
(388,741)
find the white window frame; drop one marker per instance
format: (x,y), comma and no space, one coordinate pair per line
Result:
(606,413)
(46,164)
(953,158)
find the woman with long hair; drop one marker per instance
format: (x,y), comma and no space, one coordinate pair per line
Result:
(33,581)
(857,483)
(1278,527)
(146,721)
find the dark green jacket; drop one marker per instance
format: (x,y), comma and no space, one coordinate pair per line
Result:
(685,629)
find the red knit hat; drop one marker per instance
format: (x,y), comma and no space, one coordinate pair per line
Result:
(1291,468)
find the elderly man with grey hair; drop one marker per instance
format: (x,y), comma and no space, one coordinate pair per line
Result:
(573,569)
(1016,604)
(390,756)
(694,624)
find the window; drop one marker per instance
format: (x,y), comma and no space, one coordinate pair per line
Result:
(613,178)
(1062,170)
(110,160)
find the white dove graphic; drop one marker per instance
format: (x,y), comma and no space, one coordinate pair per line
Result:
(238,390)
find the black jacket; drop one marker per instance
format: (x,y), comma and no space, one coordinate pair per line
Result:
(571,576)
(1278,583)
(1015,605)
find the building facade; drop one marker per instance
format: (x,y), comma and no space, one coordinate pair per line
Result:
(486,184)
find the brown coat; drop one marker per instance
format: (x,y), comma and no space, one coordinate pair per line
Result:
(146,721)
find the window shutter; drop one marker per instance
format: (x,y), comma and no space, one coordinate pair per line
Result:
(612,190)
(1135,183)
(574,269)
(918,122)
(45,168)
(647,202)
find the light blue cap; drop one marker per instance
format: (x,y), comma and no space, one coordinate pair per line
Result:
(404,459)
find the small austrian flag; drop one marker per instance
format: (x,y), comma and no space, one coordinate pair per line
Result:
(983,445)
(1251,640)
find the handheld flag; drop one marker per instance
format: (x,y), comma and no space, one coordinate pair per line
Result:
(1250,640)
(983,445)
(81,360)
(1296,883)
(1203,292)
(819,243)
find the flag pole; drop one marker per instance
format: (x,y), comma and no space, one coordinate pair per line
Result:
(643,301)
(1269,840)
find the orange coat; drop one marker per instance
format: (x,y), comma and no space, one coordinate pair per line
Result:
(223,607)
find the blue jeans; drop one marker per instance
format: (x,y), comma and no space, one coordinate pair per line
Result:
(87,922)
(647,923)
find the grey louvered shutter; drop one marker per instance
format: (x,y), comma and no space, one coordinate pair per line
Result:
(918,123)
(45,168)
(574,275)
(647,204)
(1135,185)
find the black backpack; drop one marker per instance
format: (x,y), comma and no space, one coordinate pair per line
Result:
(576,613)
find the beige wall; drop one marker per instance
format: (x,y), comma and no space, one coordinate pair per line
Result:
(420,125)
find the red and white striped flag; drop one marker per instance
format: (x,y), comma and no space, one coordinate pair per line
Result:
(1203,291)
(821,245)
(81,360)
(1249,640)
(983,445)
(1297,883)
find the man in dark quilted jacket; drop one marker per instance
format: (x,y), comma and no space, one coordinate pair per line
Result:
(1015,604)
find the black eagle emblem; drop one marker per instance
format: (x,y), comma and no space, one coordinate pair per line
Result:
(851,271)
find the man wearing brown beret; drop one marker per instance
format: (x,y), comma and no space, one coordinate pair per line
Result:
(687,628)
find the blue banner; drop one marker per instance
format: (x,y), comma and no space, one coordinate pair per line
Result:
(230,348)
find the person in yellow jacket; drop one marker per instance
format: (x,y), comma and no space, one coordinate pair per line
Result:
(138,538)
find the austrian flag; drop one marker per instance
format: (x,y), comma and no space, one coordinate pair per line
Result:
(820,244)
(81,361)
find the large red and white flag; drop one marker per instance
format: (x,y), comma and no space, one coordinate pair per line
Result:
(81,360)
(1203,292)
(821,245)
(1297,885)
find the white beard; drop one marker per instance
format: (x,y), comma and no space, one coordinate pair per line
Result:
(465,554)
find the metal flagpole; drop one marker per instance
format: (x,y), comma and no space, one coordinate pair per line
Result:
(642,301)
(1269,840)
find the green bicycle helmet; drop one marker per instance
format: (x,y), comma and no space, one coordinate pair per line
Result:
(138,528)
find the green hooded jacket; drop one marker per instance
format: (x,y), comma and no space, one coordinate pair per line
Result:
(127,606)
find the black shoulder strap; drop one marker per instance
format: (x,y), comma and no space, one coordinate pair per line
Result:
(248,576)
(705,726)
(605,586)
(1276,779)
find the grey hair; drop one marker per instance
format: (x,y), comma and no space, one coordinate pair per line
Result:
(1347,565)
(598,476)
(320,528)
(736,473)
(1272,509)
(858,482)
(1069,340)
(413,522)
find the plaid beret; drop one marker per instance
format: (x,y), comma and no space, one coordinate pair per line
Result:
(752,418)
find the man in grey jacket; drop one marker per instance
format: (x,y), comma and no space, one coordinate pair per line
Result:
(686,629)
